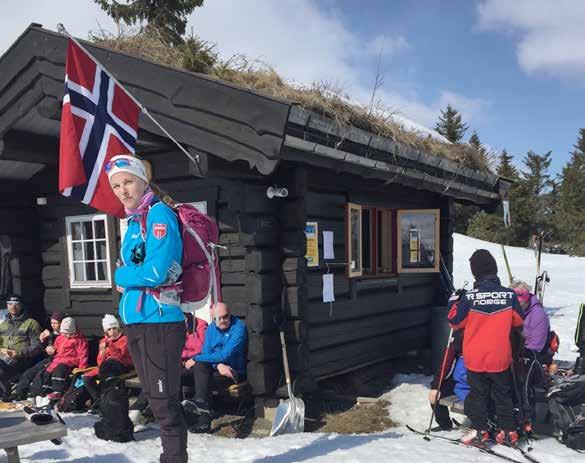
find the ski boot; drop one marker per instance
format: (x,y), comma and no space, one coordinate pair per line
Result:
(476,438)
(509,438)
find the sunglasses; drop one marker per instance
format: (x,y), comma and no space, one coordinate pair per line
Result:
(116,163)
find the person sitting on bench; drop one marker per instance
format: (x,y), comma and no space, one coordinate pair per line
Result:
(195,336)
(47,339)
(19,344)
(113,358)
(71,351)
(454,382)
(222,361)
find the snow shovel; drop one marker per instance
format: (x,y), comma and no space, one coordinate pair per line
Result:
(290,414)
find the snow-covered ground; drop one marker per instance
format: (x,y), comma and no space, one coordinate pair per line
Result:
(408,397)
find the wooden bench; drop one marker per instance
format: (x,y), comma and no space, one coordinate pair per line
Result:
(16,430)
(455,405)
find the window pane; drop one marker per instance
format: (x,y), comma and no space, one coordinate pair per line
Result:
(102,271)
(87,231)
(356,230)
(77,251)
(78,272)
(90,270)
(76,230)
(101,249)
(366,241)
(418,240)
(100,229)
(384,241)
(89,254)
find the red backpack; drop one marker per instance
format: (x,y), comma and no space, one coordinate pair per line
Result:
(200,265)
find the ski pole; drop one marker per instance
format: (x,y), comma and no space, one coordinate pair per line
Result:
(441,377)
(521,403)
(510,277)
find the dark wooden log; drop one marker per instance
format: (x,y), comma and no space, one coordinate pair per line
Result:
(27,286)
(25,266)
(332,334)
(56,299)
(94,308)
(255,260)
(294,244)
(261,239)
(263,347)
(52,276)
(370,304)
(51,230)
(264,376)
(314,284)
(296,301)
(263,319)
(353,355)
(293,215)
(325,205)
(263,289)
(295,179)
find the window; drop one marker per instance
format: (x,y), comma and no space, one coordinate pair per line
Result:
(418,240)
(370,240)
(88,251)
(385,241)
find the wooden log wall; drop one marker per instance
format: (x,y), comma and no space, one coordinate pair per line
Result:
(372,318)
(19,224)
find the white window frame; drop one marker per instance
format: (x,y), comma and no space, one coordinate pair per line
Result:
(92,283)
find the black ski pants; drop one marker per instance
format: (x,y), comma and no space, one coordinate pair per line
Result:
(204,378)
(57,380)
(24,383)
(486,387)
(156,352)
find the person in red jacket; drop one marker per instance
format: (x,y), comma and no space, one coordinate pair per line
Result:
(488,313)
(196,329)
(69,351)
(113,358)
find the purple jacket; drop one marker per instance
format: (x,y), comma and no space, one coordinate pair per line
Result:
(536,325)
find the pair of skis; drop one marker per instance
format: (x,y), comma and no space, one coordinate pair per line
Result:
(43,416)
(487,450)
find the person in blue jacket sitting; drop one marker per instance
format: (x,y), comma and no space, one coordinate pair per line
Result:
(221,361)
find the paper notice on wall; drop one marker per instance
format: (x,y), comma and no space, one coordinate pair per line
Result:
(328,293)
(312,234)
(328,252)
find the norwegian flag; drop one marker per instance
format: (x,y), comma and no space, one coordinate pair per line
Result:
(99,120)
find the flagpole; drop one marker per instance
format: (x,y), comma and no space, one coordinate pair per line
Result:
(61,30)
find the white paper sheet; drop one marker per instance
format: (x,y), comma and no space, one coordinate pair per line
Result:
(328,252)
(328,293)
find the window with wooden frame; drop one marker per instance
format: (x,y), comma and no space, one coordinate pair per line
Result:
(88,251)
(370,241)
(418,240)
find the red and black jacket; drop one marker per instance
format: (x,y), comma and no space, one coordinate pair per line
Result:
(488,313)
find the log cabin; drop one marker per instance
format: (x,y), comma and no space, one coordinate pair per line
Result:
(370,212)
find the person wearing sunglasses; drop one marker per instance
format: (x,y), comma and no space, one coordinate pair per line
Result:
(151,256)
(222,361)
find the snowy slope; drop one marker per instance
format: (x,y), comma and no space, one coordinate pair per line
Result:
(408,397)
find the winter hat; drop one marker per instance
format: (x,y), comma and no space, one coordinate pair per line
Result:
(110,321)
(68,326)
(57,316)
(14,300)
(523,294)
(482,264)
(126,163)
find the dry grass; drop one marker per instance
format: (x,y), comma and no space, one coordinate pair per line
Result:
(364,418)
(321,97)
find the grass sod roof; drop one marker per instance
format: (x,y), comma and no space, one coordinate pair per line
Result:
(320,97)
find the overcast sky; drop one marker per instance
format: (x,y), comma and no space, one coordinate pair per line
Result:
(512,68)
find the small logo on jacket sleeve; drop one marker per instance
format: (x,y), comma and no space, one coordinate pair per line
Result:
(159,230)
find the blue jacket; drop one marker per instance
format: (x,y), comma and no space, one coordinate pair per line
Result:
(460,377)
(149,262)
(227,347)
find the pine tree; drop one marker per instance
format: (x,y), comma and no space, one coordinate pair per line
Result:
(167,16)
(505,166)
(450,125)
(571,200)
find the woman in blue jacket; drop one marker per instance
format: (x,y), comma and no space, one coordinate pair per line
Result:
(150,304)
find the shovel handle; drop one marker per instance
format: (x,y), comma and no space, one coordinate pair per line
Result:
(285,358)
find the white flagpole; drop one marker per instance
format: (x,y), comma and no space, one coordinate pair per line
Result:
(61,29)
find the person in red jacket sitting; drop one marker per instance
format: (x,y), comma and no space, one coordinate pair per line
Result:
(488,313)
(196,329)
(113,358)
(69,351)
